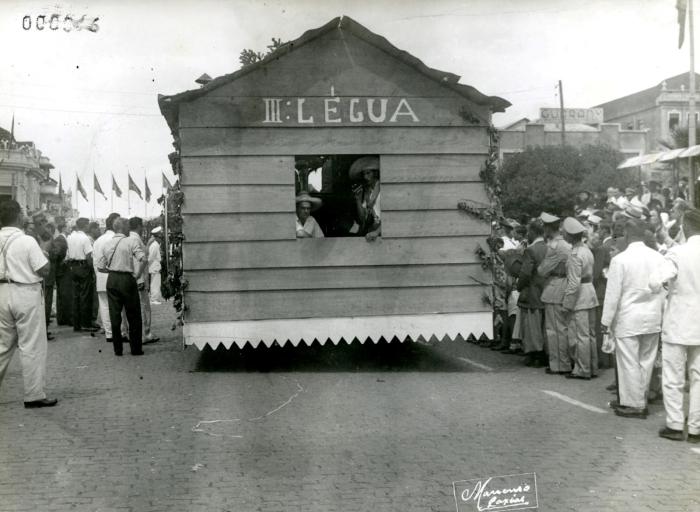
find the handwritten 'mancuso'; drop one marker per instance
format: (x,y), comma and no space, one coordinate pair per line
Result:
(496,498)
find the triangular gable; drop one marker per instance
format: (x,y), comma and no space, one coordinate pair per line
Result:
(327,61)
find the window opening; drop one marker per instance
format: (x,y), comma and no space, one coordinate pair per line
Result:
(338,196)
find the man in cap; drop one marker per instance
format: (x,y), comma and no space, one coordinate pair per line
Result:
(681,330)
(580,302)
(22,317)
(307,227)
(154,268)
(633,315)
(553,271)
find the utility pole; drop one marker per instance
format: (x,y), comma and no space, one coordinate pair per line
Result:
(691,105)
(561,114)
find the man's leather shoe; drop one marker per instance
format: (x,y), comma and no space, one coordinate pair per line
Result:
(631,412)
(150,340)
(673,434)
(108,340)
(611,387)
(694,438)
(44,402)
(574,376)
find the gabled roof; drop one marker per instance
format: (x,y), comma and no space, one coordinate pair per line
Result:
(645,99)
(168,104)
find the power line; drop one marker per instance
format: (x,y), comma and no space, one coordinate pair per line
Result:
(133,114)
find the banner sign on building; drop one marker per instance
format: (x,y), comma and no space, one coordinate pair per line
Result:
(572,115)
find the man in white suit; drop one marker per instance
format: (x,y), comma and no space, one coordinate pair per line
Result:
(681,331)
(633,315)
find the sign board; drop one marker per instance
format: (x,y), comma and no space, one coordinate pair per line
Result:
(508,492)
(572,115)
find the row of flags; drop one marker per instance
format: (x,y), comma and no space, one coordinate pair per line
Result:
(115,188)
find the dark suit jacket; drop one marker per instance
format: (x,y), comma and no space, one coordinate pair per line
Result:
(530,283)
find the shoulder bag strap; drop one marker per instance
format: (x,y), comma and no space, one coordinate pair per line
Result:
(114,252)
(5,248)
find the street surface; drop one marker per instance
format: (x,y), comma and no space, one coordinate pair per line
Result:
(384,427)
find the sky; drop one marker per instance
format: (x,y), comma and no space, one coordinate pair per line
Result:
(89,99)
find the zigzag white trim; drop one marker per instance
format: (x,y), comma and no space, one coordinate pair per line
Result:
(308,330)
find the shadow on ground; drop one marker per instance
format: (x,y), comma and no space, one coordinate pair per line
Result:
(356,357)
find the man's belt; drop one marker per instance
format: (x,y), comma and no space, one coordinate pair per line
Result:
(558,275)
(4,281)
(119,272)
(585,280)
(76,262)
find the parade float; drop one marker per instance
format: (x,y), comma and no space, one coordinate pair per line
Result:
(246,146)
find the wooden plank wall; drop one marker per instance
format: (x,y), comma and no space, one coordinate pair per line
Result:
(243,261)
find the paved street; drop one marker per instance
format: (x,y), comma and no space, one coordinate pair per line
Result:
(383,427)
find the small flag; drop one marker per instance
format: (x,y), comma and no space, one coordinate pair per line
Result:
(166,182)
(148,191)
(82,190)
(12,130)
(682,7)
(133,186)
(97,185)
(115,187)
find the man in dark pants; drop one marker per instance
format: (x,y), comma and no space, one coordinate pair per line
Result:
(79,258)
(64,286)
(123,258)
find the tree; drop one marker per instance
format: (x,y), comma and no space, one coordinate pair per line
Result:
(549,178)
(249,56)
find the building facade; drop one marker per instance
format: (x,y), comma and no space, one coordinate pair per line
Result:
(25,176)
(524,133)
(659,109)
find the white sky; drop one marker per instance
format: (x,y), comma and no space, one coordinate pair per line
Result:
(88,100)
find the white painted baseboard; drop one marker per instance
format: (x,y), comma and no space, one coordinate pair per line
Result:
(294,331)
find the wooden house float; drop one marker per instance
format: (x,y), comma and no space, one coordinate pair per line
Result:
(250,142)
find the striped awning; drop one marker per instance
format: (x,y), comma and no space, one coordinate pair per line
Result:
(663,156)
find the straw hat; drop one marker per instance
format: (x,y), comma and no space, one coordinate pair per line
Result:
(362,164)
(304,197)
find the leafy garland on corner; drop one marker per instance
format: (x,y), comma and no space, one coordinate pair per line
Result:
(174,284)
(487,212)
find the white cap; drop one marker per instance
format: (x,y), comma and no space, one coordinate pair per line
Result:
(156,230)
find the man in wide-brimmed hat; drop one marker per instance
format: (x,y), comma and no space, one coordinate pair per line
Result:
(681,331)
(307,227)
(367,195)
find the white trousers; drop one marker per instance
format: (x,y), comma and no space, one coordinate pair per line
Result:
(145,313)
(675,358)
(635,364)
(156,296)
(104,316)
(23,325)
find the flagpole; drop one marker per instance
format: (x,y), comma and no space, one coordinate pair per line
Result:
(691,104)
(128,201)
(93,194)
(145,200)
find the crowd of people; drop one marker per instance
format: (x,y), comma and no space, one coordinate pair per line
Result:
(104,283)
(620,275)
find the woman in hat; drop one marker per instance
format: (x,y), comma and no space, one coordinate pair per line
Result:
(307,227)
(367,196)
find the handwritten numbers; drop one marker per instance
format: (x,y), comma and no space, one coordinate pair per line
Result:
(68,23)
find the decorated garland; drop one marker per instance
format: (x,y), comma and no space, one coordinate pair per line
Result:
(487,212)
(174,284)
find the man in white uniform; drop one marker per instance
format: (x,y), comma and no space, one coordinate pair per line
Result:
(633,315)
(154,265)
(681,331)
(22,317)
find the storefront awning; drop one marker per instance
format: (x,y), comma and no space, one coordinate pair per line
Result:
(663,156)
